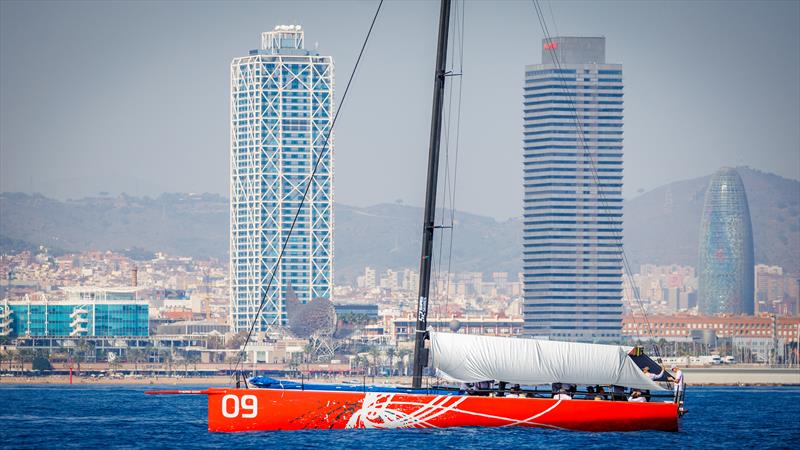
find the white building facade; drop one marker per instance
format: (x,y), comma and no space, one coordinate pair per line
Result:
(281,111)
(572,232)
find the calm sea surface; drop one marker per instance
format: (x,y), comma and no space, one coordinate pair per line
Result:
(123,417)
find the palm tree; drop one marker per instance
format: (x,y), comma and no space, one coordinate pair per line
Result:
(135,356)
(390,353)
(22,355)
(362,362)
(11,355)
(403,355)
(193,359)
(166,355)
(308,352)
(78,354)
(114,363)
(375,353)
(2,358)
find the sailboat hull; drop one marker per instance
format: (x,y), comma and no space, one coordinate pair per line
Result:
(231,410)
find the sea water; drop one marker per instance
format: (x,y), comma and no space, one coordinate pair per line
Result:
(103,416)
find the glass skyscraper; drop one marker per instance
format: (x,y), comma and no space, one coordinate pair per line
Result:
(281,113)
(725,265)
(572,155)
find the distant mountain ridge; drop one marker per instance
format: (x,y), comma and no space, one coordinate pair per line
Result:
(661,226)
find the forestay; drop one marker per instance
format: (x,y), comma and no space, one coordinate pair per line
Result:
(469,358)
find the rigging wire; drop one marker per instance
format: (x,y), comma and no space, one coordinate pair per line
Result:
(437,262)
(458,140)
(323,151)
(593,168)
(447,205)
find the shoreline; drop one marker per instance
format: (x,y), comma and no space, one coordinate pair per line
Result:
(694,377)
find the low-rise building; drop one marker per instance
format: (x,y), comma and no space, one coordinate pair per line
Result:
(192,327)
(84,311)
(681,327)
(403,328)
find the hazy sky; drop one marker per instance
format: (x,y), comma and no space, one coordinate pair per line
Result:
(133,96)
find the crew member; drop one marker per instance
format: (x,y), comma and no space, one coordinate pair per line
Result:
(651,375)
(636,396)
(677,378)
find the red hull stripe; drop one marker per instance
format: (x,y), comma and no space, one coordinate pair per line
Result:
(267,409)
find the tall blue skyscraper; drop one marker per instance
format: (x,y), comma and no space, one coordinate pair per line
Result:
(281,113)
(725,266)
(572,154)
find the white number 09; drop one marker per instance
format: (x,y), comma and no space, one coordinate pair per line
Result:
(231,406)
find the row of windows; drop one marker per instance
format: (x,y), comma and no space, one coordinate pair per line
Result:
(573,131)
(550,71)
(584,140)
(586,150)
(586,179)
(531,188)
(572,313)
(574,109)
(533,123)
(572,87)
(573,102)
(589,299)
(572,245)
(569,169)
(573,94)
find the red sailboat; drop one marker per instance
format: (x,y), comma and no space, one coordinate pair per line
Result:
(464,359)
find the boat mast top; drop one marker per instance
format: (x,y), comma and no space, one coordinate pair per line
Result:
(420,353)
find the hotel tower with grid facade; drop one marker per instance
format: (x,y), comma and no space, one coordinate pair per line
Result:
(281,111)
(572,155)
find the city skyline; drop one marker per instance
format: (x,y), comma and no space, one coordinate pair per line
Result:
(179,180)
(659,119)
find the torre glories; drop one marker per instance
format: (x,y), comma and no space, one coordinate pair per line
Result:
(725,264)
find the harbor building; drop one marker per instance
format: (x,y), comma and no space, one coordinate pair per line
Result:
(680,327)
(281,111)
(725,263)
(84,312)
(572,179)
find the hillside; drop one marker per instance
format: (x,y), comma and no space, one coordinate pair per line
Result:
(661,226)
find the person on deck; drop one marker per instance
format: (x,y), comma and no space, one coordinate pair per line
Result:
(636,396)
(601,393)
(484,388)
(651,375)
(562,395)
(618,393)
(516,391)
(677,378)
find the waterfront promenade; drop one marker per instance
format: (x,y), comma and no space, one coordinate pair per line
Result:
(708,376)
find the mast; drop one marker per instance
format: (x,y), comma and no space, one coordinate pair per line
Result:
(420,354)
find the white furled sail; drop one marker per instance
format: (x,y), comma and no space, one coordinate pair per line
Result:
(469,358)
